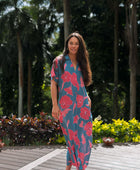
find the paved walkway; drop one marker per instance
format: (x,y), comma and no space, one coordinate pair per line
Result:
(117,157)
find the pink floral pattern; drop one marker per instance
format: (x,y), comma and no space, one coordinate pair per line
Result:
(75,115)
(65,102)
(85,113)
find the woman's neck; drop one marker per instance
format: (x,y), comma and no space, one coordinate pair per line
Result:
(72,57)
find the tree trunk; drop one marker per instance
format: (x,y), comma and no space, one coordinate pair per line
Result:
(20,74)
(131,25)
(116,113)
(29,87)
(66,7)
(132,94)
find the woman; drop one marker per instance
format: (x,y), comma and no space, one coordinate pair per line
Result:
(69,75)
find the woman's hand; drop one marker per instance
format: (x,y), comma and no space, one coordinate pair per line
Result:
(56,112)
(89,101)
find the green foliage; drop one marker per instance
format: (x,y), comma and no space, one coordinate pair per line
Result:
(120,130)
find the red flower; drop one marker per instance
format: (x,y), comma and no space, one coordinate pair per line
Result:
(52,72)
(66,76)
(64,131)
(61,118)
(76,119)
(77,141)
(88,128)
(74,80)
(71,134)
(65,112)
(65,102)
(82,83)
(81,156)
(81,124)
(85,113)
(80,100)
(83,139)
(68,90)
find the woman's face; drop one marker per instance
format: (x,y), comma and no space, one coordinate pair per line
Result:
(73,45)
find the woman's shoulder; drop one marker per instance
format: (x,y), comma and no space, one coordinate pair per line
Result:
(58,58)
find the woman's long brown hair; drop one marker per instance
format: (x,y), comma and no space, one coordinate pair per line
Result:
(82,58)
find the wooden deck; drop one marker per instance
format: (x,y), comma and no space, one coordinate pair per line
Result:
(117,157)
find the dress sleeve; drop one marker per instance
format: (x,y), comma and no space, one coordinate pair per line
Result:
(55,70)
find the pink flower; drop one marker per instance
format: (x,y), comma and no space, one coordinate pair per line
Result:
(66,76)
(68,90)
(64,131)
(52,72)
(83,139)
(65,102)
(65,112)
(90,144)
(74,81)
(81,124)
(61,118)
(81,156)
(77,141)
(82,83)
(80,100)
(85,113)
(88,128)
(71,134)
(76,119)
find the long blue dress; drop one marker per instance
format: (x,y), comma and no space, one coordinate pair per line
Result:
(75,117)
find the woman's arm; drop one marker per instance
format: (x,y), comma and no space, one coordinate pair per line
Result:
(89,101)
(55,108)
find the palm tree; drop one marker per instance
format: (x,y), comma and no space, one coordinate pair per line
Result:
(66,7)
(15,19)
(131,30)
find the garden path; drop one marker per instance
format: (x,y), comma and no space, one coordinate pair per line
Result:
(116,157)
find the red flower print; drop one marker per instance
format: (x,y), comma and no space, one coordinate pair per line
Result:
(74,81)
(68,123)
(81,80)
(71,134)
(64,131)
(84,166)
(79,69)
(83,139)
(85,113)
(77,141)
(52,72)
(68,90)
(76,119)
(65,112)
(90,144)
(74,106)
(81,124)
(66,76)
(61,118)
(88,128)
(65,102)
(81,156)
(80,100)
(65,65)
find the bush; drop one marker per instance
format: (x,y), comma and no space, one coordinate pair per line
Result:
(120,130)
(46,130)
(29,131)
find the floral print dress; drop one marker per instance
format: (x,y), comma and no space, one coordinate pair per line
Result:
(75,116)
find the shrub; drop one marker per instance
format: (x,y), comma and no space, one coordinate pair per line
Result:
(120,130)
(29,131)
